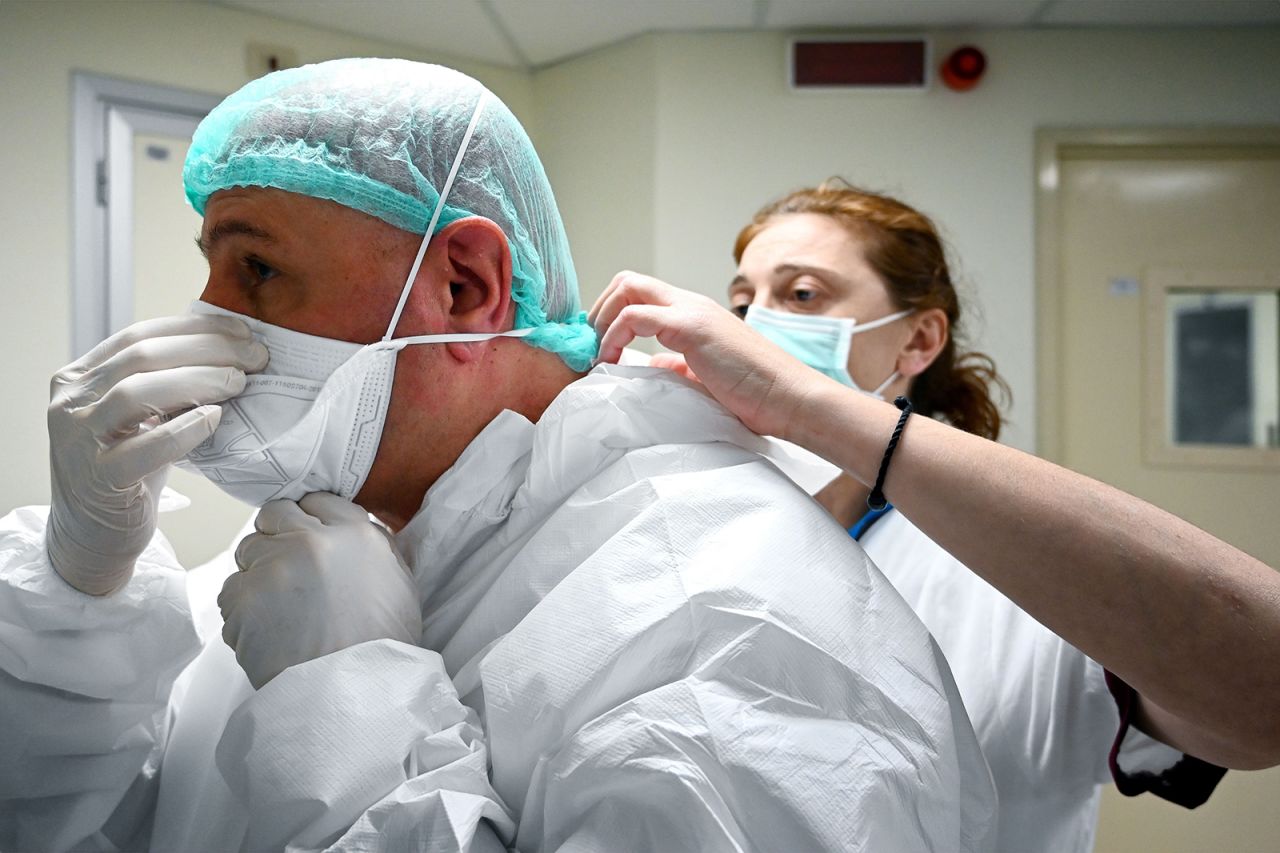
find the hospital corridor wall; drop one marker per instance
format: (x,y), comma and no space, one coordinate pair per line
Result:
(660,148)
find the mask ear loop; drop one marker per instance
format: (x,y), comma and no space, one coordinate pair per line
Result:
(435,217)
(879,392)
(883,321)
(867,327)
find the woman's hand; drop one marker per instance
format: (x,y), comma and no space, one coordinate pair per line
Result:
(750,376)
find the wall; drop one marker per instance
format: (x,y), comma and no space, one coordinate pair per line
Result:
(188,45)
(596,120)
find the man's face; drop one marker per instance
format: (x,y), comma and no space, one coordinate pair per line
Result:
(323,269)
(303,263)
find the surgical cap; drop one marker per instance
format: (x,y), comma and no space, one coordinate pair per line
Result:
(379,136)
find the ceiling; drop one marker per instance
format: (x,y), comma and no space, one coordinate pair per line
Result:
(531,34)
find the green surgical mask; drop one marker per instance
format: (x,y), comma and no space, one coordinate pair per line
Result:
(820,342)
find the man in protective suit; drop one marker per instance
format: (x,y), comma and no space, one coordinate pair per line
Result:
(584,618)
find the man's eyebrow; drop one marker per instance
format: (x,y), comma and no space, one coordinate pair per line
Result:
(227,228)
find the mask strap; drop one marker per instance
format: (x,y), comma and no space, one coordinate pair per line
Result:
(883,321)
(459,337)
(875,324)
(435,217)
(879,392)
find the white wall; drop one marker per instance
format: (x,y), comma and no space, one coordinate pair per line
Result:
(596,119)
(188,45)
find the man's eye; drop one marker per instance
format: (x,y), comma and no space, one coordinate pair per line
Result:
(804,294)
(740,310)
(258,271)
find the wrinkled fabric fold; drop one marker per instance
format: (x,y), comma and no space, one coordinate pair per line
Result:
(388,706)
(84,687)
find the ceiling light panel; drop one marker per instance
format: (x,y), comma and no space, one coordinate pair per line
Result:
(898,14)
(549,31)
(1162,13)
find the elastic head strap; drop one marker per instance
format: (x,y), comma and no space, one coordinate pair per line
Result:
(435,216)
(458,337)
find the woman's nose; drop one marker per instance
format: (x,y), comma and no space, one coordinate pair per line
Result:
(764,299)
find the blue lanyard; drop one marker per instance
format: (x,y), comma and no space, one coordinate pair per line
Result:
(862,525)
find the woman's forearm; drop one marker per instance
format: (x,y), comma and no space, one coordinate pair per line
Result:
(1191,622)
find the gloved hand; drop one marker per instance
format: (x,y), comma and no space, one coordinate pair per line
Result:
(110,446)
(317,577)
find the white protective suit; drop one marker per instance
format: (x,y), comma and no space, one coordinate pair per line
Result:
(1040,706)
(638,635)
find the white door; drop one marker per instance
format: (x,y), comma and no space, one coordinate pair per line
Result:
(1123,214)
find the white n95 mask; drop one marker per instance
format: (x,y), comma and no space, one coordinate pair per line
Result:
(312,420)
(820,342)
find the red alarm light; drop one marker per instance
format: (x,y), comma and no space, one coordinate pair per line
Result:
(963,68)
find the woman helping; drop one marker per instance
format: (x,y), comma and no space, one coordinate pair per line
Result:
(1032,578)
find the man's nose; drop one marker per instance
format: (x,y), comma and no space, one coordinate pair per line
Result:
(225,294)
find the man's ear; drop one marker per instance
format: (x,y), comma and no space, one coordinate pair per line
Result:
(929,332)
(478,265)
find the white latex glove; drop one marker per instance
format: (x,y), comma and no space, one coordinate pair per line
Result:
(110,447)
(317,577)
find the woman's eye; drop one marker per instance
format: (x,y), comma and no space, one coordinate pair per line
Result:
(740,310)
(804,294)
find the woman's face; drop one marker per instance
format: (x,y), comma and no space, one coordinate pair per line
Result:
(807,263)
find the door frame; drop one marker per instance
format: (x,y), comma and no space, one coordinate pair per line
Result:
(107,113)
(1049,144)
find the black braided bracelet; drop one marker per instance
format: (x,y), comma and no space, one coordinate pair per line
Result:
(876,500)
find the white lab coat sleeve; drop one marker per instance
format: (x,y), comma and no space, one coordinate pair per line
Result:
(84,686)
(368,748)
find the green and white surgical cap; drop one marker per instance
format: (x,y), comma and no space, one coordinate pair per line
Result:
(379,136)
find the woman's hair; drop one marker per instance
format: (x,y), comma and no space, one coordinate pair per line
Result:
(903,247)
